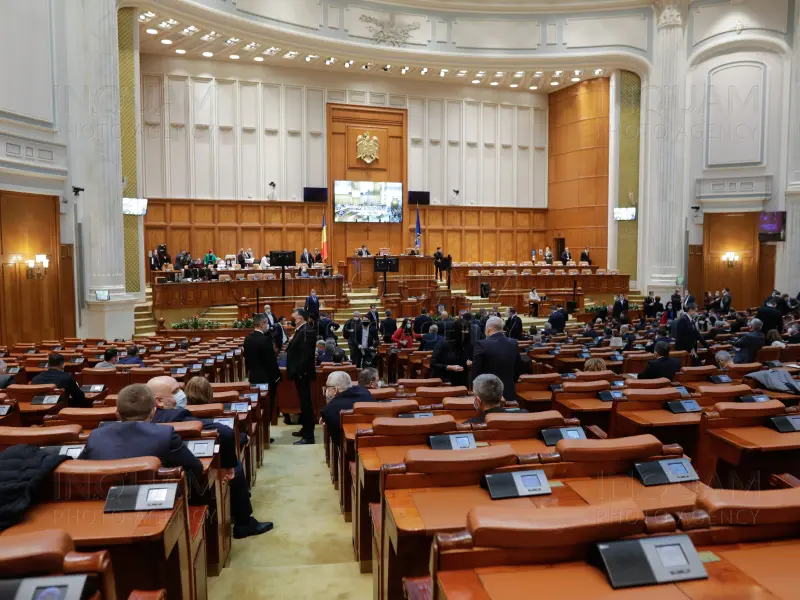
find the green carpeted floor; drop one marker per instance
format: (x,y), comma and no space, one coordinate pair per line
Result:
(309,554)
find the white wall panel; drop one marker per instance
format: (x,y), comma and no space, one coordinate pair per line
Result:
(303,13)
(435,159)
(178,143)
(203,101)
(524,157)
(293,109)
(539,128)
(315,138)
(153,136)
(710,20)
(226,140)
(202,114)
(506,156)
(489,154)
(472,154)
(630,31)
(271,156)
(454,151)
(496,35)
(416,144)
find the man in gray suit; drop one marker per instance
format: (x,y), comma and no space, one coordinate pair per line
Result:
(499,356)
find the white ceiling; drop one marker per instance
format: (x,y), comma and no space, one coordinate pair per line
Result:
(190,38)
(514,6)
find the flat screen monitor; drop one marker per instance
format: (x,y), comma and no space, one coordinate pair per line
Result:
(627,213)
(772,226)
(134,206)
(368,202)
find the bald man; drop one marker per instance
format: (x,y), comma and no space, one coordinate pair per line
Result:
(340,394)
(168,395)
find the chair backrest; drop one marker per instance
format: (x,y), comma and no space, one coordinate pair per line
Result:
(88,418)
(39,436)
(145,374)
(26,393)
(442,391)
(111,378)
(415,383)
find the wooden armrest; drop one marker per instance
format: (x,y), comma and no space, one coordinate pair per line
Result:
(596,432)
(784,480)
(148,595)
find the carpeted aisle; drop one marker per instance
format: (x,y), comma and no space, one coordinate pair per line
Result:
(309,554)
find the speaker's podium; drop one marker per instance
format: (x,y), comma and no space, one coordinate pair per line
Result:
(386,264)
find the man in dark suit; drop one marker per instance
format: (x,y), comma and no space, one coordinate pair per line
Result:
(372,315)
(170,401)
(686,333)
(318,256)
(513,326)
(364,251)
(340,394)
(155,261)
(55,374)
(585,255)
(5,379)
(131,357)
(589,331)
(663,366)
(301,368)
(445,325)
(616,311)
(748,345)
(676,300)
(558,320)
(770,316)
(306,257)
(488,390)
(388,326)
(422,322)
(437,262)
(260,360)
(566,256)
(662,335)
(497,355)
(363,341)
(271,319)
(312,305)
(326,327)
(430,339)
(726,302)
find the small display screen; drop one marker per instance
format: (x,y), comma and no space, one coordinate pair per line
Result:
(97,387)
(157,495)
(13,370)
(761,398)
(618,384)
(250,397)
(51,592)
(462,442)
(240,406)
(261,386)
(179,371)
(74,452)
(531,482)
(201,448)
(197,366)
(51,399)
(682,390)
(672,556)
(724,379)
(225,421)
(691,405)
(617,395)
(209,361)
(678,469)
(572,434)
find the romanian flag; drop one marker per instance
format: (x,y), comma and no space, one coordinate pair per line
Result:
(324,238)
(418,231)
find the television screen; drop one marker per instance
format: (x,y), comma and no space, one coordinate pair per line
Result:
(771,226)
(134,206)
(368,202)
(625,214)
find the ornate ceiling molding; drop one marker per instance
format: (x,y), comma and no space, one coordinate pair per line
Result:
(671,13)
(513,6)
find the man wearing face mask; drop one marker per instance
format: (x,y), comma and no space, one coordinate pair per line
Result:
(260,360)
(340,394)
(170,402)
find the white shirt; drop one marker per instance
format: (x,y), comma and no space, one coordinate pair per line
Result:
(264,263)
(364,336)
(533,296)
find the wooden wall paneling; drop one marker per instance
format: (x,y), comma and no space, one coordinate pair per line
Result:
(732,232)
(67,301)
(766,270)
(695,277)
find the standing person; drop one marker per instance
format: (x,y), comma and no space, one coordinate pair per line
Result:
(648,304)
(686,333)
(312,305)
(726,303)
(548,255)
(260,360)
(585,255)
(676,300)
(770,316)
(306,257)
(405,337)
(566,256)
(449,358)
(352,333)
(388,326)
(372,315)
(326,327)
(279,334)
(318,256)
(210,259)
(513,326)
(368,341)
(437,262)
(301,368)
(498,355)
(422,322)
(558,321)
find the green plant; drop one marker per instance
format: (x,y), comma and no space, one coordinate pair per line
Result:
(595,309)
(195,322)
(246,323)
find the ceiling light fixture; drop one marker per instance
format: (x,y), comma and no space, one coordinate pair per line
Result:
(519,73)
(258,58)
(480,73)
(538,74)
(404,70)
(495,83)
(576,79)
(190,30)
(180,51)
(166,42)
(423,71)
(598,71)
(554,83)
(210,36)
(152,31)
(499,74)
(234,57)
(513,85)
(534,87)
(146,16)
(367,66)
(461,73)
(443,72)
(387,68)
(577,72)
(476,81)
(252,46)
(272,51)
(329,61)
(291,54)
(208,54)
(232,40)
(168,24)
(558,73)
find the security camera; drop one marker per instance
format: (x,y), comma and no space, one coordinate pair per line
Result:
(77,190)
(272,184)
(695,208)
(455,192)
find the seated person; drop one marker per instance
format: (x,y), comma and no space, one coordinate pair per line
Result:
(169,397)
(794,334)
(430,339)
(589,331)
(368,379)
(363,251)
(303,272)
(210,259)
(663,366)
(537,341)
(340,394)
(415,251)
(339,356)
(661,336)
(325,354)
(594,364)
(748,345)
(132,357)
(5,379)
(109,359)
(488,390)
(135,435)
(320,350)
(723,359)
(55,374)
(774,339)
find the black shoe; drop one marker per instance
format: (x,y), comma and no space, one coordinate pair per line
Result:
(287,420)
(304,442)
(271,440)
(254,527)
(297,433)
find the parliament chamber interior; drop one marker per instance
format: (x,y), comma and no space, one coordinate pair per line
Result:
(523,274)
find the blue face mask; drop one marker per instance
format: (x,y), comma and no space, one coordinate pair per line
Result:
(180,399)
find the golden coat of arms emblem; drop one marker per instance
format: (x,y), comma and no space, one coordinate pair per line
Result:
(367,148)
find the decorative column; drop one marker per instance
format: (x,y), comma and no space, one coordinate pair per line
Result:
(613,167)
(787,271)
(666,205)
(93,104)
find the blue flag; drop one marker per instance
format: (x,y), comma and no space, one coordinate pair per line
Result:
(418,231)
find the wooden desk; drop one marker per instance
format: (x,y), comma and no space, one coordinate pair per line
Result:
(598,284)
(361,270)
(745,571)
(149,549)
(413,516)
(459,273)
(234,273)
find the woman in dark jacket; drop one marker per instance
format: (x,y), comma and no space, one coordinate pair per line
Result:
(449,358)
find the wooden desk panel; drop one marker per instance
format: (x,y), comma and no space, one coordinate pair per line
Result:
(459,273)
(601,284)
(361,271)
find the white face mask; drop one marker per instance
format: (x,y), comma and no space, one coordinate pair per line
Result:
(180,399)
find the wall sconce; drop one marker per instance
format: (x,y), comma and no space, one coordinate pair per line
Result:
(37,269)
(731,259)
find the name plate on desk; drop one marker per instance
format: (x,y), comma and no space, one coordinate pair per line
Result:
(684,392)
(786,424)
(56,587)
(720,379)
(553,435)
(47,400)
(611,396)
(13,370)
(237,351)
(568,376)
(220,357)
(4,408)
(421,415)
(618,384)
(239,407)
(227,421)
(261,387)
(94,388)
(71,450)
(209,361)
(517,484)
(197,366)
(156,349)
(682,406)
(249,397)
(229,355)
(455,441)
(201,448)
(584,355)
(195,340)
(30,351)
(132,498)
(556,387)
(171,346)
(177,371)
(755,398)
(76,361)
(616,357)
(634,563)
(666,471)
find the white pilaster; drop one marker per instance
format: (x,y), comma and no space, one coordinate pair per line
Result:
(92,102)
(666,218)
(613,165)
(793,171)
(787,278)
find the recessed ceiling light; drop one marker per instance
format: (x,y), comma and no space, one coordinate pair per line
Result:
(553,83)
(495,83)
(208,54)
(147,15)
(480,73)
(210,36)
(559,73)
(347,64)
(461,73)
(538,74)
(534,87)
(168,24)
(272,50)
(519,73)
(190,30)
(367,66)
(443,72)
(291,54)
(405,70)
(598,71)
(577,72)
(513,85)
(499,74)
(152,31)
(258,58)
(423,71)
(329,61)
(311,57)
(576,79)
(232,40)
(234,57)
(476,81)
(166,42)
(387,68)
(180,51)
(252,46)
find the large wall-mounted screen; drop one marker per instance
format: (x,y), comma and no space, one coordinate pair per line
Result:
(368,202)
